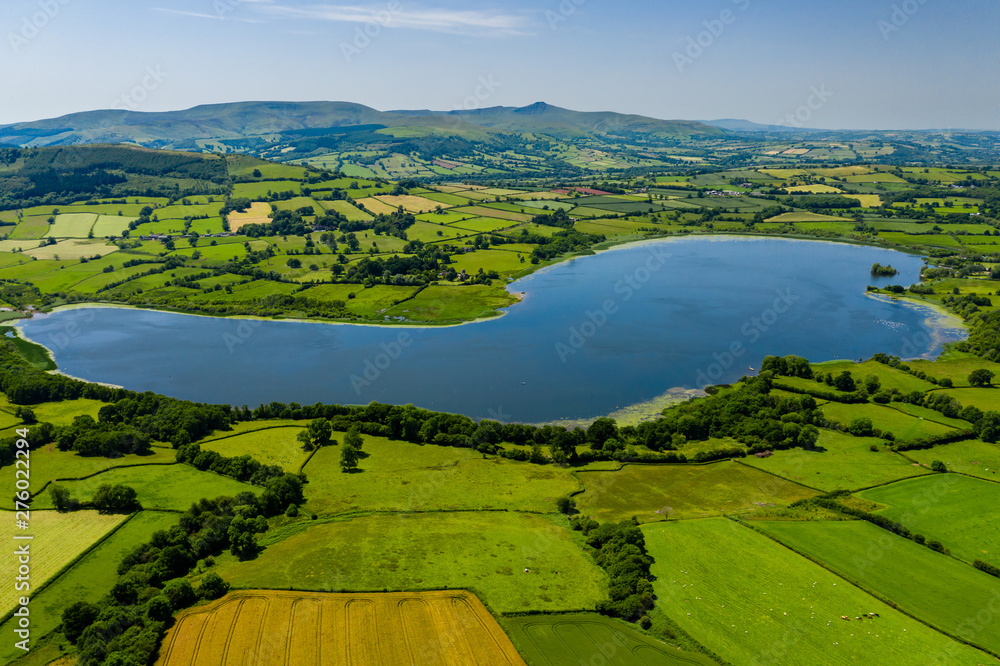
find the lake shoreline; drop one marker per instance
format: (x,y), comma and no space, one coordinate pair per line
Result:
(585,286)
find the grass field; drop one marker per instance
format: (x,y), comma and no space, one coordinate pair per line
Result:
(659,492)
(931,586)
(301,629)
(841,462)
(949,508)
(87,580)
(35,226)
(164,487)
(486,553)
(751,601)
(957,368)
(351,212)
(111,225)
(275,446)
(399,476)
(446,303)
(59,538)
(889,377)
(588,638)
(63,413)
(973,457)
(807,217)
(49,463)
(72,225)
(986,399)
(904,426)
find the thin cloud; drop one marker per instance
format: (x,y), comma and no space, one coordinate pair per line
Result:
(213,17)
(434,20)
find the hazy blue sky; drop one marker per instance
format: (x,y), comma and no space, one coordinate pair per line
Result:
(876,64)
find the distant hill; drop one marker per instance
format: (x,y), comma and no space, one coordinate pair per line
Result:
(736,125)
(243,120)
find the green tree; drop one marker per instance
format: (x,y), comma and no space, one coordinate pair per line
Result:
(77,617)
(212,586)
(845,382)
(61,498)
(861,427)
(939,466)
(601,431)
(158,609)
(115,499)
(319,431)
(981,377)
(180,593)
(348,458)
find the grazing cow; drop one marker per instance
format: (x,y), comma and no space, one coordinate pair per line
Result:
(844,617)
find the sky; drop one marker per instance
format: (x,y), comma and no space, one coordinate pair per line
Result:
(836,64)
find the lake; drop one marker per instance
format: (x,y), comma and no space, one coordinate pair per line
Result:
(592,335)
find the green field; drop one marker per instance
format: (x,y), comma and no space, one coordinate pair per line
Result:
(749,600)
(986,399)
(88,580)
(973,457)
(160,487)
(904,426)
(889,377)
(72,225)
(949,508)
(588,638)
(447,303)
(935,588)
(273,446)
(111,225)
(49,463)
(840,462)
(349,211)
(63,413)
(482,552)
(659,492)
(399,476)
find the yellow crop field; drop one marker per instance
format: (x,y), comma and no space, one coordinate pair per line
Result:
(72,250)
(376,207)
(258,213)
(58,538)
(814,189)
(868,200)
(304,629)
(410,204)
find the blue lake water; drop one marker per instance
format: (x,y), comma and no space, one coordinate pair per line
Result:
(593,335)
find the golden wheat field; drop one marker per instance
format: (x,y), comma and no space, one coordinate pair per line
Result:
(258,213)
(305,629)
